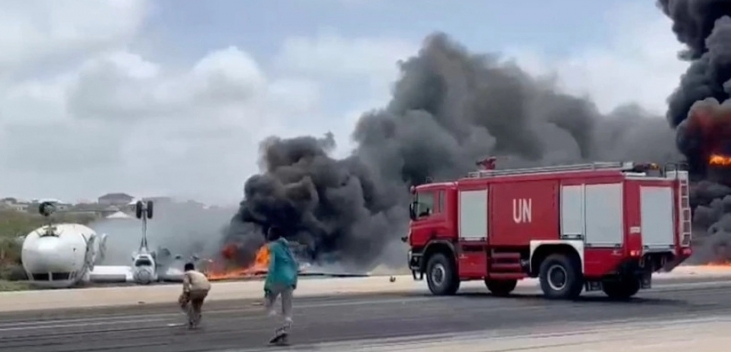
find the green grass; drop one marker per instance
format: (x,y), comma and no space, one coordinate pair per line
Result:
(14,286)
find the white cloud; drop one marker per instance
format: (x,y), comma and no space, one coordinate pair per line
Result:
(330,56)
(357,67)
(638,65)
(109,119)
(81,114)
(47,30)
(122,115)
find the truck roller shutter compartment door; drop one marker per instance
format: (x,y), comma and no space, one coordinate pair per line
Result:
(473,215)
(572,212)
(656,211)
(604,215)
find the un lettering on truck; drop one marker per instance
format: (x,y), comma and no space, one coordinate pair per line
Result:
(523,211)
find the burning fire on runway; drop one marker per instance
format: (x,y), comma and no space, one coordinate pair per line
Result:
(226,267)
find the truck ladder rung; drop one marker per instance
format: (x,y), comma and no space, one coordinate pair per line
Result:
(608,165)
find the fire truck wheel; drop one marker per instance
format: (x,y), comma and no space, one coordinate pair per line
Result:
(441,275)
(560,277)
(501,287)
(624,289)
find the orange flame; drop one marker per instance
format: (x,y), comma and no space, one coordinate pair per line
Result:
(719,264)
(217,270)
(719,160)
(722,257)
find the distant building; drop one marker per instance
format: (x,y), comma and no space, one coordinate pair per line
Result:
(159,200)
(14,204)
(9,200)
(115,199)
(94,209)
(59,204)
(17,206)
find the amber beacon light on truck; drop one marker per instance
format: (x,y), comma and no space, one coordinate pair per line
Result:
(596,226)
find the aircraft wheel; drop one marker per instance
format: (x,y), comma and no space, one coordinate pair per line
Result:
(149,209)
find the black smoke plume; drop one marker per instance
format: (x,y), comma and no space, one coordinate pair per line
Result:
(703,124)
(449,108)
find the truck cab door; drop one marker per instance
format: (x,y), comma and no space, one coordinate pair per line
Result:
(428,216)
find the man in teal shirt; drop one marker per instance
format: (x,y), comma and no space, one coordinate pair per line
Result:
(281,281)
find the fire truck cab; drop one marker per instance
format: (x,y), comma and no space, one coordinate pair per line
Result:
(599,226)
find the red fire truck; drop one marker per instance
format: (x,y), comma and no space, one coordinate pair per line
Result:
(599,226)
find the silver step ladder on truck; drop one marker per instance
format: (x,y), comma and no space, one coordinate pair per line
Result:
(683,201)
(624,166)
(676,171)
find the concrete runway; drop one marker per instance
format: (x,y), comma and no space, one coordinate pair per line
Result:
(320,321)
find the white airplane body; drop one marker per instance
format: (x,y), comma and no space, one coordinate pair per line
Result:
(65,255)
(60,255)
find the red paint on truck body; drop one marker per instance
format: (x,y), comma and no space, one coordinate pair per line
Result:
(511,228)
(513,224)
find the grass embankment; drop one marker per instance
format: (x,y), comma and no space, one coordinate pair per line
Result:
(13,225)
(6,286)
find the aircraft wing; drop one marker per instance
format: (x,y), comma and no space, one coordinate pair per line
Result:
(170,274)
(307,269)
(110,273)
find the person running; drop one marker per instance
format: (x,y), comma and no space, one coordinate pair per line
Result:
(195,290)
(281,280)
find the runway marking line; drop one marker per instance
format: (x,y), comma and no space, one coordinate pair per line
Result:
(162,317)
(612,326)
(158,317)
(659,287)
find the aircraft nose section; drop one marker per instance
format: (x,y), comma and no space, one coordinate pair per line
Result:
(143,276)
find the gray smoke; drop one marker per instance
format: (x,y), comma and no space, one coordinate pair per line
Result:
(704,26)
(449,108)
(184,229)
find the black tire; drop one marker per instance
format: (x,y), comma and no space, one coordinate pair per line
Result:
(138,209)
(441,275)
(501,288)
(621,290)
(569,268)
(149,209)
(46,208)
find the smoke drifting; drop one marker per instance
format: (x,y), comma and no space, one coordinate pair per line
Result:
(449,108)
(703,123)
(184,229)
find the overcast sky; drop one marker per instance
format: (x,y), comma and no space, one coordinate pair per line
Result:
(171,97)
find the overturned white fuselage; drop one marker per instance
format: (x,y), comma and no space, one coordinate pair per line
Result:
(64,255)
(61,255)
